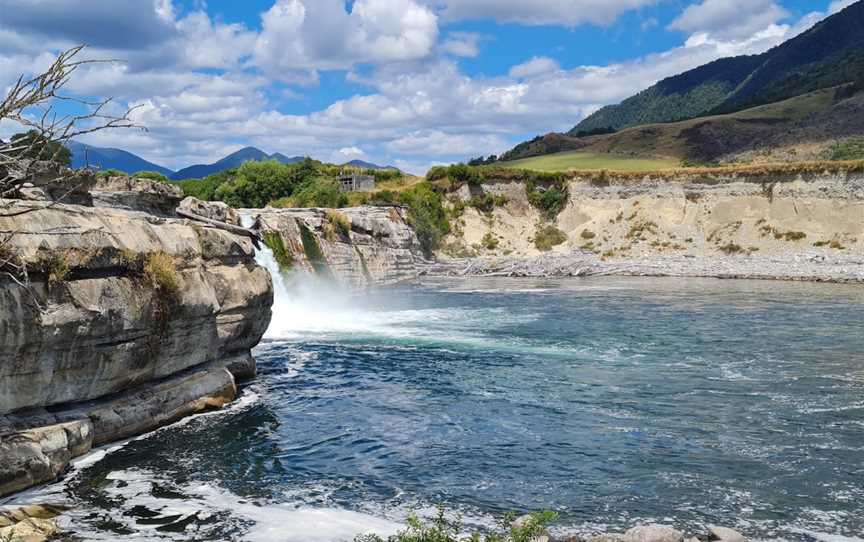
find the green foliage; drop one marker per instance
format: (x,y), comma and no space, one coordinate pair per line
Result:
(827,55)
(489,241)
(487,202)
(273,241)
(336,225)
(442,529)
(851,149)
(481,161)
(205,189)
(426,215)
(161,273)
(550,200)
(106,173)
(39,147)
(458,173)
(152,175)
(547,237)
(319,192)
(255,184)
(313,250)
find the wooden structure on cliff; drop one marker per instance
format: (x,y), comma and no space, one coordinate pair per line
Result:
(352,182)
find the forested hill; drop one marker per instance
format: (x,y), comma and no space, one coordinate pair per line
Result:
(829,54)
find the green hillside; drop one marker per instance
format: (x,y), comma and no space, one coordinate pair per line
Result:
(829,54)
(588,161)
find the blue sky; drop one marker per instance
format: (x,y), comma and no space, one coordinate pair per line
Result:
(405,82)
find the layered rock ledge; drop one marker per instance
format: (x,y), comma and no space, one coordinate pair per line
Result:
(116,319)
(358,247)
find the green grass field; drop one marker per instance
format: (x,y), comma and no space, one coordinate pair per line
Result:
(581,160)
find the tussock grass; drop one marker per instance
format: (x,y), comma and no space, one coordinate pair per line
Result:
(161,273)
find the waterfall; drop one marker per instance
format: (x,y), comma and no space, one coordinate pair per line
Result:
(305,304)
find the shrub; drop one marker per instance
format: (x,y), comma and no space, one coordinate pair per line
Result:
(336,224)
(588,234)
(152,175)
(851,149)
(547,237)
(441,529)
(458,173)
(730,248)
(56,266)
(161,273)
(426,215)
(550,201)
(319,193)
(37,146)
(487,202)
(489,241)
(105,173)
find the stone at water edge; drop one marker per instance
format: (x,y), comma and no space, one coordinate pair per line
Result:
(724,534)
(654,533)
(608,538)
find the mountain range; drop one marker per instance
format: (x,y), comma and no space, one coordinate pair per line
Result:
(109,158)
(829,55)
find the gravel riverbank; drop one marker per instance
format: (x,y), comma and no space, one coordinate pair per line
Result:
(812,266)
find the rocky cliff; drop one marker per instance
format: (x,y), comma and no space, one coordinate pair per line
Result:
(357,247)
(116,317)
(777,224)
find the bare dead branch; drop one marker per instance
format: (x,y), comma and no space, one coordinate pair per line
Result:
(30,103)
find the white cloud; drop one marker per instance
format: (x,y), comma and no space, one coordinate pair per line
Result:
(203,95)
(464,44)
(536,66)
(351,152)
(438,143)
(729,19)
(541,12)
(839,5)
(321,34)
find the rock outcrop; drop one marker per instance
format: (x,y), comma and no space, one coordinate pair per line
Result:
(358,247)
(114,321)
(751,224)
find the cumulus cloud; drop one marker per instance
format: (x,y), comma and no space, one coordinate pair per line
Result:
(541,12)
(206,86)
(729,19)
(321,34)
(100,23)
(536,66)
(464,44)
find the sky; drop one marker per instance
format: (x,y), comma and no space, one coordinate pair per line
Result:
(410,83)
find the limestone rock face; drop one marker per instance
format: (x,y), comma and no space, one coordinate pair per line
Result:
(372,246)
(137,194)
(214,210)
(113,322)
